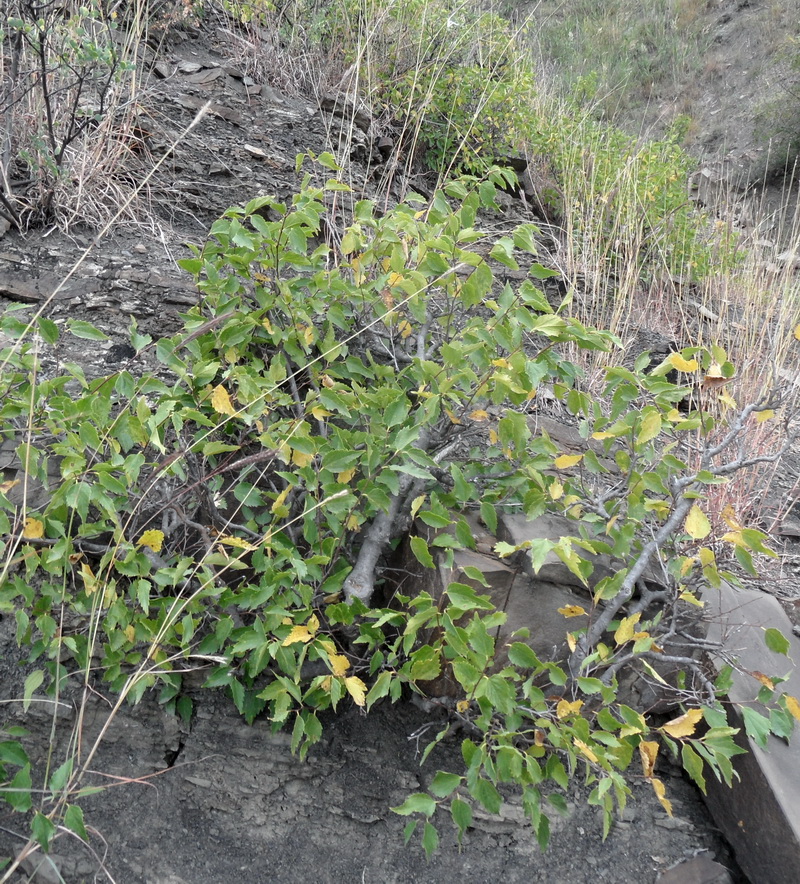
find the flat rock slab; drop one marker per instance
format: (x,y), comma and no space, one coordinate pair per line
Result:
(760,815)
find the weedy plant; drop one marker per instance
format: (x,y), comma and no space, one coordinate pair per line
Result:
(237,518)
(67,78)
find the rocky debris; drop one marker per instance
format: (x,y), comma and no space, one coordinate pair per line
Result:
(760,815)
(698,870)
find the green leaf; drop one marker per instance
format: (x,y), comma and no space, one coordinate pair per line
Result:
(462,816)
(693,765)
(42,831)
(18,791)
(419,802)
(467,599)
(421,552)
(523,656)
(756,725)
(73,820)
(444,784)
(776,641)
(85,330)
(486,793)
(32,682)
(430,839)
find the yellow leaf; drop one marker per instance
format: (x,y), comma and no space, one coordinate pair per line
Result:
(572,611)
(603,435)
(405,328)
(416,503)
(357,690)
(736,538)
(651,427)
(697,524)
(352,523)
(706,557)
(764,679)
(346,475)
(130,633)
(152,539)
(714,372)
(572,642)
(725,399)
(279,501)
(452,416)
(729,517)
(500,363)
(302,634)
(5,487)
(221,401)
(691,598)
(300,458)
(585,750)
(626,629)
(462,706)
(660,790)
(683,725)
(327,645)
(539,737)
(327,381)
(766,415)
(238,542)
(325,684)
(33,529)
(648,749)
(687,565)
(90,582)
(319,413)
(791,703)
(564,708)
(339,664)
(493,437)
(479,415)
(565,461)
(556,490)
(680,364)
(797,332)
(267,325)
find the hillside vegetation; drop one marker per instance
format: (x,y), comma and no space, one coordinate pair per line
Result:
(356,362)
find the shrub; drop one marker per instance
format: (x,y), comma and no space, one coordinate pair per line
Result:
(234,517)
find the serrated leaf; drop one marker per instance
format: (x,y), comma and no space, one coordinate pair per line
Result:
(697,524)
(153,539)
(661,793)
(421,552)
(680,364)
(684,725)
(651,427)
(86,330)
(444,784)
(32,529)
(648,751)
(792,705)
(572,611)
(221,401)
(357,689)
(626,629)
(32,683)
(419,802)
(776,641)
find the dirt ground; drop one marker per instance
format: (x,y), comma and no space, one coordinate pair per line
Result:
(216,800)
